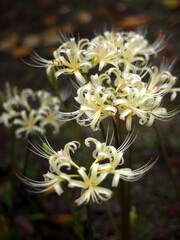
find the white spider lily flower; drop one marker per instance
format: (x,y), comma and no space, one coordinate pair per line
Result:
(125,48)
(73,64)
(104,151)
(30,112)
(132,105)
(138,49)
(60,162)
(99,52)
(57,160)
(130,175)
(95,104)
(69,58)
(46,99)
(51,180)
(25,95)
(28,124)
(173,92)
(116,160)
(94,107)
(13,98)
(114,156)
(90,186)
(56,157)
(160,81)
(76,48)
(49,118)
(8,116)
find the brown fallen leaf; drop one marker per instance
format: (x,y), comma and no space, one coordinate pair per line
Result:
(67,28)
(45,2)
(4,227)
(64,9)
(132,22)
(120,6)
(61,219)
(24,226)
(50,20)
(20,52)
(50,36)
(106,12)
(31,41)
(84,17)
(10,42)
(172,4)
(172,21)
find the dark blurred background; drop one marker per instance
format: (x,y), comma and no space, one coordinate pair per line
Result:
(28,25)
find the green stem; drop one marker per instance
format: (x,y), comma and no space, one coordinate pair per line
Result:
(85,77)
(103,132)
(122,188)
(128,202)
(69,203)
(78,138)
(170,169)
(12,159)
(116,134)
(109,211)
(113,220)
(26,163)
(89,217)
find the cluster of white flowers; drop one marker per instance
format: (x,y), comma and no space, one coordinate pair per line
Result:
(30,111)
(125,87)
(128,88)
(127,95)
(122,49)
(107,161)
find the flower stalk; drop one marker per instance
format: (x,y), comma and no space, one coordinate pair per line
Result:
(26,163)
(169,167)
(12,159)
(128,197)
(108,208)
(71,208)
(89,217)
(74,129)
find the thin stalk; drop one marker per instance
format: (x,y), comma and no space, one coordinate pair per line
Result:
(103,131)
(26,163)
(116,134)
(128,197)
(89,217)
(109,211)
(69,203)
(122,189)
(74,129)
(113,220)
(12,159)
(170,169)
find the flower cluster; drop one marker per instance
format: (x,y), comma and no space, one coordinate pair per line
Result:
(124,49)
(126,94)
(125,87)
(107,161)
(128,88)
(30,111)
